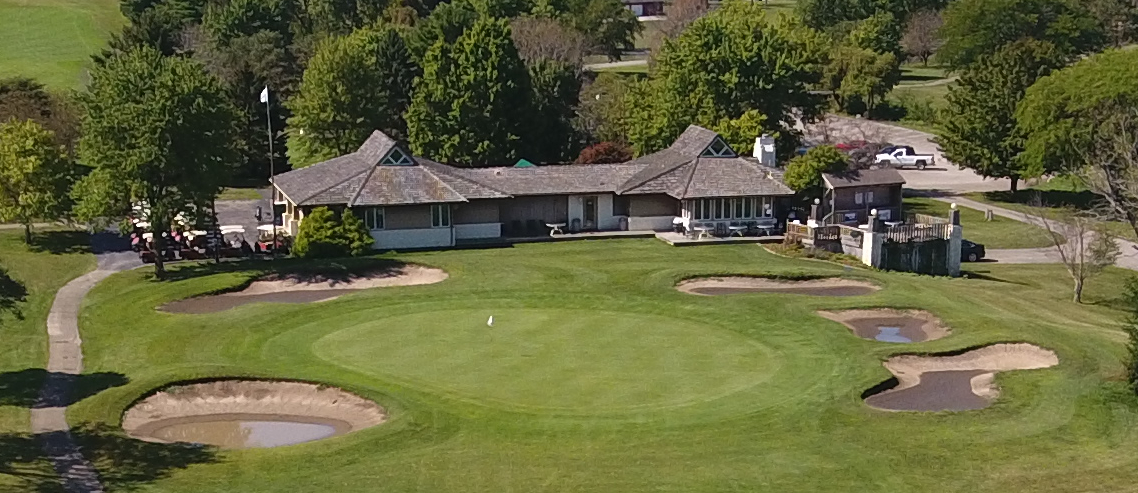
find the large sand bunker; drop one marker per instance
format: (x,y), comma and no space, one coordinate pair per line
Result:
(249,414)
(713,286)
(889,325)
(956,383)
(295,288)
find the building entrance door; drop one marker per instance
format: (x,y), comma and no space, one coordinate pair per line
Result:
(590,212)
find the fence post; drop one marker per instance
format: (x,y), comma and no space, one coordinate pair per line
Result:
(955,234)
(871,242)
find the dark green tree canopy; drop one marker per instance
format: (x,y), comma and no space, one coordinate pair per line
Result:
(353,85)
(1061,113)
(157,130)
(831,14)
(979,129)
(726,63)
(446,23)
(240,18)
(471,106)
(804,173)
(973,28)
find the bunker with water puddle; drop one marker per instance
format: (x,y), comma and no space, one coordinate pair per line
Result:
(890,325)
(249,414)
(958,382)
(715,286)
(295,288)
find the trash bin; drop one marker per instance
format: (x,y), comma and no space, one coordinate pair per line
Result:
(623,223)
(575,225)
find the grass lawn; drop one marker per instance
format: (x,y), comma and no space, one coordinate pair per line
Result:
(53,40)
(1062,194)
(33,275)
(1000,232)
(231,193)
(920,74)
(598,376)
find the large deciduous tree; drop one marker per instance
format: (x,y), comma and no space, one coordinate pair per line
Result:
(156,130)
(552,53)
(921,39)
(471,106)
(609,26)
(973,28)
(979,127)
(1084,119)
(446,23)
(353,85)
(729,62)
(35,174)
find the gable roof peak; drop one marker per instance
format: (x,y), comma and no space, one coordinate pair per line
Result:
(377,146)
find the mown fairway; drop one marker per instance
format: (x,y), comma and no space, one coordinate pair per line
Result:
(52,40)
(598,376)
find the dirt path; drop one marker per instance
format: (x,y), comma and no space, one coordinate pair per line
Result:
(65,361)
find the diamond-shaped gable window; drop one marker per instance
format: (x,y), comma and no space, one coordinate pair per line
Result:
(397,158)
(718,148)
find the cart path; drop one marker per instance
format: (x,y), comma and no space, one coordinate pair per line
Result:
(1127,259)
(65,361)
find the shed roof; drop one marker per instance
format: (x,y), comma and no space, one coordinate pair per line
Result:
(862,178)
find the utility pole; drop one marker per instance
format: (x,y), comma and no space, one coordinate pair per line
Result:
(272,171)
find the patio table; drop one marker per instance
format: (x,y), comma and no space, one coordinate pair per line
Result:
(737,230)
(704,232)
(765,229)
(555,228)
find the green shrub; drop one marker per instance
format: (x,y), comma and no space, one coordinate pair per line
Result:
(355,233)
(324,235)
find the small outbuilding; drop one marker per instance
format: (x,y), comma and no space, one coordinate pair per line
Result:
(849,197)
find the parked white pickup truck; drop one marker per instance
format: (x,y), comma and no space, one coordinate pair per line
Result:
(903,157)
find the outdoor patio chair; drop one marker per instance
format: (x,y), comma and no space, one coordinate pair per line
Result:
(721,229)
(516,227)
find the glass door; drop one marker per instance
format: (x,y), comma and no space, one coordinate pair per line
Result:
(590,212)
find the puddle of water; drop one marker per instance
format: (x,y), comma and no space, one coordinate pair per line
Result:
(226,432)
(891,334)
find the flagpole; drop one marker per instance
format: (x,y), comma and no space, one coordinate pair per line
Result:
(272,170)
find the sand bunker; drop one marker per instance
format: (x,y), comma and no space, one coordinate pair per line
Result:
(249,413)
(955,383)
(305,289)
(713,286)
(889,325)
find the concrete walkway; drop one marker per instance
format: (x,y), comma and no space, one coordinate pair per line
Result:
(1127,259)
(593,67)
(65,363)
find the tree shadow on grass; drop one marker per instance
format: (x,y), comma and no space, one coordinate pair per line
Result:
(1078,200)
(12,294)
(301,270)
(61,242)
(23,388)
(121,462)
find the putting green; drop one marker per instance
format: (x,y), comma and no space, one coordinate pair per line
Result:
(572,361)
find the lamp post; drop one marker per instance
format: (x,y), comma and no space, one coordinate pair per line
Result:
(272,171)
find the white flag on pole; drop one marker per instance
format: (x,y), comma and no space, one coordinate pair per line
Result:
(265,95)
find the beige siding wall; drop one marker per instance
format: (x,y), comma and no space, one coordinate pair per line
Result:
(407,217)
(653,205)
(478,211)
(550,209)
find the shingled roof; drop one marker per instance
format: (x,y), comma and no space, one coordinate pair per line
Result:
(698,164)
(865,177)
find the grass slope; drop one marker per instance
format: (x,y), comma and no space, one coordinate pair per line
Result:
(596,321)
(53,40)
(1000,232)
(36,274)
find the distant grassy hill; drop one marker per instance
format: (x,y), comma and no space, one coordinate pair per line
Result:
(53,40)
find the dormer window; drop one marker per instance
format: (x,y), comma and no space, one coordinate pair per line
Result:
(718,148)
(397,158)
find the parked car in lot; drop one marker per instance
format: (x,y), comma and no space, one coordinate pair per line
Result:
(971,252)
(903,157)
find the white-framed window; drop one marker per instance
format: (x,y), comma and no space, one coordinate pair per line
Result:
(859,198)
(768,207)
(736,208)
(718,148)
(373,218)
(397,158)
(440,216)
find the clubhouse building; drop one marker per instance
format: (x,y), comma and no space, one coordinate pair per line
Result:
(411,202)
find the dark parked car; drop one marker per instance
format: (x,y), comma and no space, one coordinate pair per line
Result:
(971,252)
